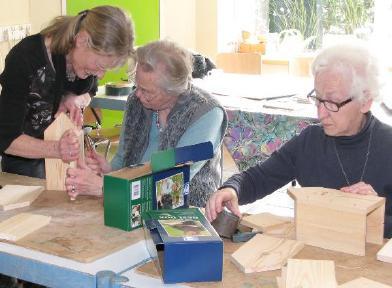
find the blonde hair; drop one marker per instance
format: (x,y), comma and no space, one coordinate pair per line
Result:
(172,62)
(110,30)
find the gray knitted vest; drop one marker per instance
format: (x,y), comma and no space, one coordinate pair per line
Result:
(190,106)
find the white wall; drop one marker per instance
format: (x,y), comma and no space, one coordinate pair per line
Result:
(177,21)
(35,12)
(192,23)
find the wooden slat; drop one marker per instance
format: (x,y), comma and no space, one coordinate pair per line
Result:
(17,196)
(338,200)
(21,225)
(56,169)
(310,274)
(385,254)
(363,282)
(265,253)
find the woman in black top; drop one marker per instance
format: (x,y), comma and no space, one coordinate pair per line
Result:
(56,71)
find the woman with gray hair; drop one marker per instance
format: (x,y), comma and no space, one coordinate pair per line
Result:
(56,71)
(349,150)
(164,111)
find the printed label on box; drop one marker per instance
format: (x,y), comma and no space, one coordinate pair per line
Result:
(135,190)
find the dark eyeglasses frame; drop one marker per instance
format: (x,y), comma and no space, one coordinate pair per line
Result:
(321,101)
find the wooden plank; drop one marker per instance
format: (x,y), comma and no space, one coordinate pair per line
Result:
(56,169)
(363,282)
(310,274)
(264,221)
(21,225)
(375,226)
(265,253)
(270,224)
(385,253)
(17,196)
(338,200)
(330,229)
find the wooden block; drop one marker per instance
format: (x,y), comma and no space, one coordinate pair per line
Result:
(363,283)
(339,221)
(56,169)
(265,253)
(247,63)
(17,196)
(21,225)
(310,274)
(270,224)
(264,221)
(385,254)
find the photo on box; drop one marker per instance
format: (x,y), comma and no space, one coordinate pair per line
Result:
(184,228)
(169,191)
(135,216)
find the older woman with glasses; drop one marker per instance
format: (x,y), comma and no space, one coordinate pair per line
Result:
(349,150)
(164,111)
(56,71)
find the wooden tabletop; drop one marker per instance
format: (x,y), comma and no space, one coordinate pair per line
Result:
(76,230)
(347,268)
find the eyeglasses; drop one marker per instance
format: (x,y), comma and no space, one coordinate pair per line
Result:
(330,105)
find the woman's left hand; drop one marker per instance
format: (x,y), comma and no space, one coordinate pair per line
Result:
(83,181)
(360,188)
(74,105)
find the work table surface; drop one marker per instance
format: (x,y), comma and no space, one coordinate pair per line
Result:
(76,230)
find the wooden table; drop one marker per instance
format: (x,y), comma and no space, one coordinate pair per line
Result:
(347,266)
(71,250)
(75,244)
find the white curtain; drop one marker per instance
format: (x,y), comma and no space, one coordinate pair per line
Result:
(235,16)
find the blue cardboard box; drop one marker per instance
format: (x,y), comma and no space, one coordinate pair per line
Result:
(184,245)
(162,183)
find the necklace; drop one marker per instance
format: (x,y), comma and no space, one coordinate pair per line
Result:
(364,165)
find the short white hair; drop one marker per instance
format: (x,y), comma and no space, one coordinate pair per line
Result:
(354,59)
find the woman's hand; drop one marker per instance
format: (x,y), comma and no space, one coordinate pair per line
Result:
(360,188)
(223,197)
(83,181)
(69,146)
(97,162)
(74,106)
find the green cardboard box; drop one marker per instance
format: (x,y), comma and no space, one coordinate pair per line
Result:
(161,184)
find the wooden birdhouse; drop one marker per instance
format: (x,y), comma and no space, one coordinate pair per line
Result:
(339,221)
(56,169)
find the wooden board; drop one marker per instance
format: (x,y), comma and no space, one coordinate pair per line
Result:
(17,196)
(264,221)
(76,230)
(363,283)
(335,199)
(310,274)
(56,169)
(270,224)
(385,254)
(21,225)
(265,253)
